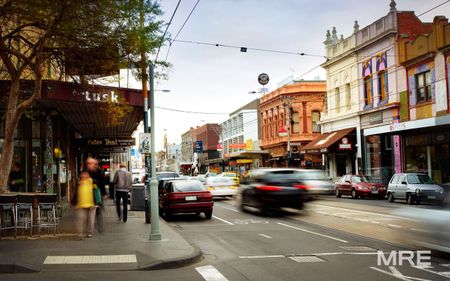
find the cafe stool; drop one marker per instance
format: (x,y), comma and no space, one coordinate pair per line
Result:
(7,213)
(47,217)
(24,213)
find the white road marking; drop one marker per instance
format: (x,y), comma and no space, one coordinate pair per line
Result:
(444,274)
(266,236)
(306,259)
(225,221)
(312,232)
(395,273)
(262,257)
(363,212)
(395,225)
(375,222)
(210,273)
(230,209)
(105,259)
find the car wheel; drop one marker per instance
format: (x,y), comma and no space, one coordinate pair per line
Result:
(353,194)
(166,215)
(338,194)
(391,197)
(208,215)
(409,199)
(441,202)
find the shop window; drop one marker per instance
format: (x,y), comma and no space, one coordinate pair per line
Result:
(315,118)
(295,122)
(382,86)
(423,85)
(348,97)
(368,91)
(337,98)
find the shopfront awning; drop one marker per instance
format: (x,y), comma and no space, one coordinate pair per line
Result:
(90,109)
(322,144)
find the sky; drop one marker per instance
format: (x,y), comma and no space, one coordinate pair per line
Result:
(218,80)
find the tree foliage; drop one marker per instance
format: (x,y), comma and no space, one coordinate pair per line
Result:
(61,39)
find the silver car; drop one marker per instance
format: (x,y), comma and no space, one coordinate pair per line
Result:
(414,188)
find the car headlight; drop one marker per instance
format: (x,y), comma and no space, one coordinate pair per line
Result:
(417,191)
(441,190)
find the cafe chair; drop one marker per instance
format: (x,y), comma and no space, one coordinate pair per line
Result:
(47,217)
(24,213)
(7,213)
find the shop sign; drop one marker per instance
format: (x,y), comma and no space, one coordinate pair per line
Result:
(244,161)
(345,144)
(237,145)
(282,131)
(219,147)
(232,163)
(249,144)
(108,142)
(98,97)
(397,127)
(324,150)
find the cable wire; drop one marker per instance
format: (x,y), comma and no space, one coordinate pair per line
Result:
(167,27)
(426,12)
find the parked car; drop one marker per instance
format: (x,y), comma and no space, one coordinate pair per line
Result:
(161,175)
(185,196)
(316,181)
(272,188)
(232,175)
(414,188)
(220,186)
(359,186)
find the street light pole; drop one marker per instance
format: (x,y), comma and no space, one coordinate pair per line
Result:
(155,233)
(287,106)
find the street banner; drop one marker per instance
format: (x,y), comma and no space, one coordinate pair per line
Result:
(144,143)
(198,147)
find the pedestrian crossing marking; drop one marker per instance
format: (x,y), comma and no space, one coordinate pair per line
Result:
(104,259)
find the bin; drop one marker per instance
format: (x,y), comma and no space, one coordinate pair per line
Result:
(138,197)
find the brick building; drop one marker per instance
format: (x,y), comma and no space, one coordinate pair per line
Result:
(291,112)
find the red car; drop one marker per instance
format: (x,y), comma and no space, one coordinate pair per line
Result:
(185,196)
(359,186)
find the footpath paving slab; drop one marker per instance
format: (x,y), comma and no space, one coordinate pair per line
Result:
(121,246)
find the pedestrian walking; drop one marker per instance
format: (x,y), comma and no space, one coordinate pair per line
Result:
(85,204)
(99,180)
(122,184)
(16,180)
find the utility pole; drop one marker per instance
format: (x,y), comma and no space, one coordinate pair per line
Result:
(155,233)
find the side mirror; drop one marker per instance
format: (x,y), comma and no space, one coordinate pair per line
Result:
(348,182)
(404,182)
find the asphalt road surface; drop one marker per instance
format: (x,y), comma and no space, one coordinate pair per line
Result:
(331,240)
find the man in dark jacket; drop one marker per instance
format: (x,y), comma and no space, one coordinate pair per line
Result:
(16,180)
(122,184)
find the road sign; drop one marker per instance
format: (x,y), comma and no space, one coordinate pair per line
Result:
(198,147)
(263,79)
(144,143)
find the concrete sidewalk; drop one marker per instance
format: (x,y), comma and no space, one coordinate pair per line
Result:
(121,246)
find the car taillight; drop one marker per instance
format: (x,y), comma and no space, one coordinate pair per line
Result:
(302,186)
(210,188)
(269,188)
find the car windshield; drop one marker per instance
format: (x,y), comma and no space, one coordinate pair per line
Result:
(419,179)
(358,179)
(167,175)
(218,180)
(189,186)
(313,175)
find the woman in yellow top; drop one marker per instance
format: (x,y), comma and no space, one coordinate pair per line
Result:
(85,204)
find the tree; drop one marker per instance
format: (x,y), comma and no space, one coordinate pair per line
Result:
(58,39)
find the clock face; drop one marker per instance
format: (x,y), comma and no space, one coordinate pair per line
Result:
(263,79)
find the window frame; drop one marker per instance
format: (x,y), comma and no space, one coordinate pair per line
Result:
(428,97)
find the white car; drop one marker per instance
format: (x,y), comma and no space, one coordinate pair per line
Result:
(221,186)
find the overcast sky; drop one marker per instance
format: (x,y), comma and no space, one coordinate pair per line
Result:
(217,79)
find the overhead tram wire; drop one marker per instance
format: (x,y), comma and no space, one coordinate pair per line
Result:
(167,27)
(181,28)
(435,7)
(245,49)
(192,112)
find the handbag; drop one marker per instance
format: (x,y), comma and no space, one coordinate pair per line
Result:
(97,196)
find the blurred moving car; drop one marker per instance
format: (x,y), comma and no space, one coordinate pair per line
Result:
(435,222)
(184,196)
(316,181)
(272,188)
(359,186)
(414,188)
(220,186)
(231,175)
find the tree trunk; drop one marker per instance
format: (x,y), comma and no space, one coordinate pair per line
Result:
(11,122)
